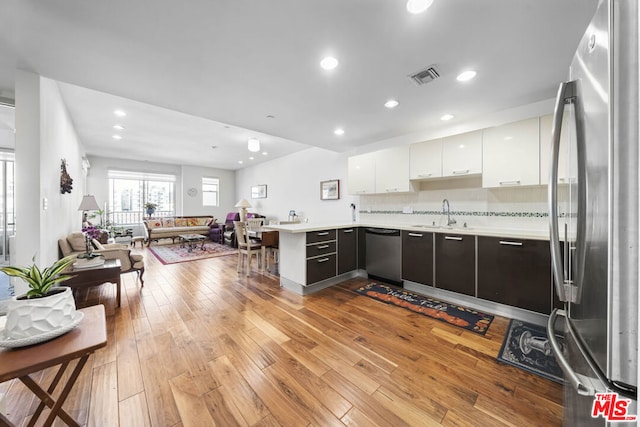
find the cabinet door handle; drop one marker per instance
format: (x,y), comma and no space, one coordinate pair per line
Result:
(424,175)
(361,191)
(506,242)
(323,260)
(415,234)
(514,182)
(347,231)
(325,233)
(461,172)
(452,238)
(391,190)
(322,246)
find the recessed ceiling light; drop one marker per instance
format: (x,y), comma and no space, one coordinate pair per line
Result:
(118,127)
(465,76)
(264,153)
(392,103)
(446,117)
(116,136)
(251,158)
(339,131)
(120,113)
(329,63)
(240,162)
(418,6)
(271,117)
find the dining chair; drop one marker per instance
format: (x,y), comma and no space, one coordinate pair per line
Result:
(246,248)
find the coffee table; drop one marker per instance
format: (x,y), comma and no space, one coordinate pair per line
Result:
(93,276)
(191,241)
(79,343)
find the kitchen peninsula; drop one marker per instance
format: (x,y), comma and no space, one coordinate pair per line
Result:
(501,270)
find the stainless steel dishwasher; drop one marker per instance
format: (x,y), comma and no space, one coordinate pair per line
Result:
(384,257)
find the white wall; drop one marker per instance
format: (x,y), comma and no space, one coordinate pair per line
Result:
(192,178)
(186,177)
(44,136)
(293,182)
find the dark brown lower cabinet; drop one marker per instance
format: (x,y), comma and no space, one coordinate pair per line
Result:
(321,268)
(515,272)
(455,263)
(347,249)
(417,257)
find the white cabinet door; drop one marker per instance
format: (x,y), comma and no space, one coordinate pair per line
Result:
(462,154)
(392,170)
(566,161)
(425,159)
(361,172)
(511,154)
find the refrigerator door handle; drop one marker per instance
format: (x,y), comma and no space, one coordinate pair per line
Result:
(566,93)
(583,385)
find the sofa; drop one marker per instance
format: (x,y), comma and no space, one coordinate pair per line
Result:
(74,244)
(172,227)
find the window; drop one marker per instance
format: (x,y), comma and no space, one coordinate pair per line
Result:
(210,188)
(129,191)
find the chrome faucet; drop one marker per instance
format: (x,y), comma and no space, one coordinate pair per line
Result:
(446,209)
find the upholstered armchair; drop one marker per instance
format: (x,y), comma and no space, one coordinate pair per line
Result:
(74,244)
(228,233)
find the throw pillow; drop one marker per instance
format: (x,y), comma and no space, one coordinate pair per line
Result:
(203,220)
(97,245)
(77,242)
(154,223)
(192,222)
(181,222)
(168,222)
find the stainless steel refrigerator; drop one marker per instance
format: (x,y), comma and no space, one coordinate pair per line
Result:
(594,221)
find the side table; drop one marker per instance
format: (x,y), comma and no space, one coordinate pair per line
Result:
(85,277)
(79,343)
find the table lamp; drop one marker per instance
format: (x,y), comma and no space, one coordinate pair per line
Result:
(243,204)
(88,204)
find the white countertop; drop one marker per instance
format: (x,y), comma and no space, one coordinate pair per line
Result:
(479,231)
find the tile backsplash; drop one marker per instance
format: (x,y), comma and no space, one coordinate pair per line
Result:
(510,208)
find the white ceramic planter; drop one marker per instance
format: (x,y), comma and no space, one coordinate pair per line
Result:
(30,317)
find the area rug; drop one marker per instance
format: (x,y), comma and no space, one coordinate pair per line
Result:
(171,254)
(466,318)
(526,346)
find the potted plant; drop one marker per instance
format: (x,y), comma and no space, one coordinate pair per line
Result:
(150,207)
(45,307)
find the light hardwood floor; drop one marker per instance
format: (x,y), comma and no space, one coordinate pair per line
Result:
(201,345)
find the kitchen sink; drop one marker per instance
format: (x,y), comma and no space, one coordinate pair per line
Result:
(441,227)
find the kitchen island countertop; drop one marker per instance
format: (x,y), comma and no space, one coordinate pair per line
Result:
(534,234)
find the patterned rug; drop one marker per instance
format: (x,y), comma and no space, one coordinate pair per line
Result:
(466,318)
(525,346)
(171,254)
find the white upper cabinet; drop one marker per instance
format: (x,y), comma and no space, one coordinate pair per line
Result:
(462,154)
(392,170)
(426,159)
(511,154)
(567,157)
(361,172)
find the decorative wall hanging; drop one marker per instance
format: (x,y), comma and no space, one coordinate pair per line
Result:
(66,182)
(330,190)
(259,192)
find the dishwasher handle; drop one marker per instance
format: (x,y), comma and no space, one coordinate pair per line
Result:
(383,231)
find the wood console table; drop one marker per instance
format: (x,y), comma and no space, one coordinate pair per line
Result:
(79,343)
(85,277)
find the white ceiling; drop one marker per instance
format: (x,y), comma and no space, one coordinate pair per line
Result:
(185,70)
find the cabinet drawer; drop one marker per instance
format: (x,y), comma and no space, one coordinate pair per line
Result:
(321,268)
(321,249)
(321,236)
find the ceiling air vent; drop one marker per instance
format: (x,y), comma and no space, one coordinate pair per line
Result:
(427,75)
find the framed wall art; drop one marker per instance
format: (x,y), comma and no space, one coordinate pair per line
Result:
(330,190)
(259,191)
